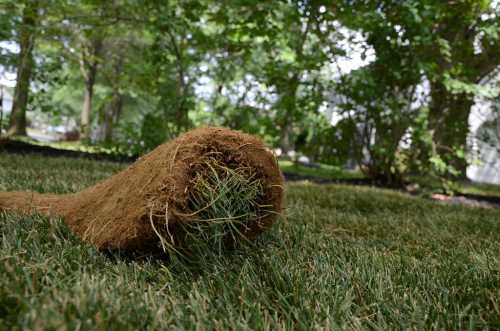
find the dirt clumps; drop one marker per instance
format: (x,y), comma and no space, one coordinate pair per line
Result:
(150,202)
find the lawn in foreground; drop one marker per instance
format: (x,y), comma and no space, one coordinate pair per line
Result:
(345,257)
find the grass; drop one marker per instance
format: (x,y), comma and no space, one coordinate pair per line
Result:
(432,185)
(483,189)
(225,203)
(345,258)
(77,145)
(324,171)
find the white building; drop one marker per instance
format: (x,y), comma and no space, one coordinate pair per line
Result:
(485,156)
(6,97)
(6,103)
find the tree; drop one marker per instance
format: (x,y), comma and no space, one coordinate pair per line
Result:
(304,42)
(452,45)
(90,49)
(172,56)
(283,46)
(123,63)
(378,110)
(115,106)
(27,35)
(82,35)
(467,33)
(378,100)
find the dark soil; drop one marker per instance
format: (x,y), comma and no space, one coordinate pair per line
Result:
(19,147)
(472,200)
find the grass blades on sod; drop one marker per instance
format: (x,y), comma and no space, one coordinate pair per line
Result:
(225,202)
(346,257)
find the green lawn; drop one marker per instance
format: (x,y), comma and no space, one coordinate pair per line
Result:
(480,189)
(76,146)
(324,171)
(344,258)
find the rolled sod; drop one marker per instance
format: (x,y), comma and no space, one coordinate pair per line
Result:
(212,186)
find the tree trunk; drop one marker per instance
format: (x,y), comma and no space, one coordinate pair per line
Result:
(382,165)
(286,143)
(86,112)
(289,94)
(113,110)
(88,68)
(288,104)
(17,125)
(449,125)
(111,116)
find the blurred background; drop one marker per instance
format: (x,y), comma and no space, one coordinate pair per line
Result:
(403,93)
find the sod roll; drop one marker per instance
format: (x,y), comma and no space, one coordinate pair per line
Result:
(207,184)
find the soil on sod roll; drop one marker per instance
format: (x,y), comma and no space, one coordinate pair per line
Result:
(207,184)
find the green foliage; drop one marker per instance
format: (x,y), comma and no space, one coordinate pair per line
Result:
(424,160)
(450,45)
(10,21)
(377,116)
(154,131)
(156,69)
(5,123)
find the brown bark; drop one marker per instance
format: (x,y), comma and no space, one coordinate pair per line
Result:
(88,68)
(382,165)
(286,143)
(17,125)
(112,111)
(112,115)
(86,111)
(288,104)
(181,116)
(289,92)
